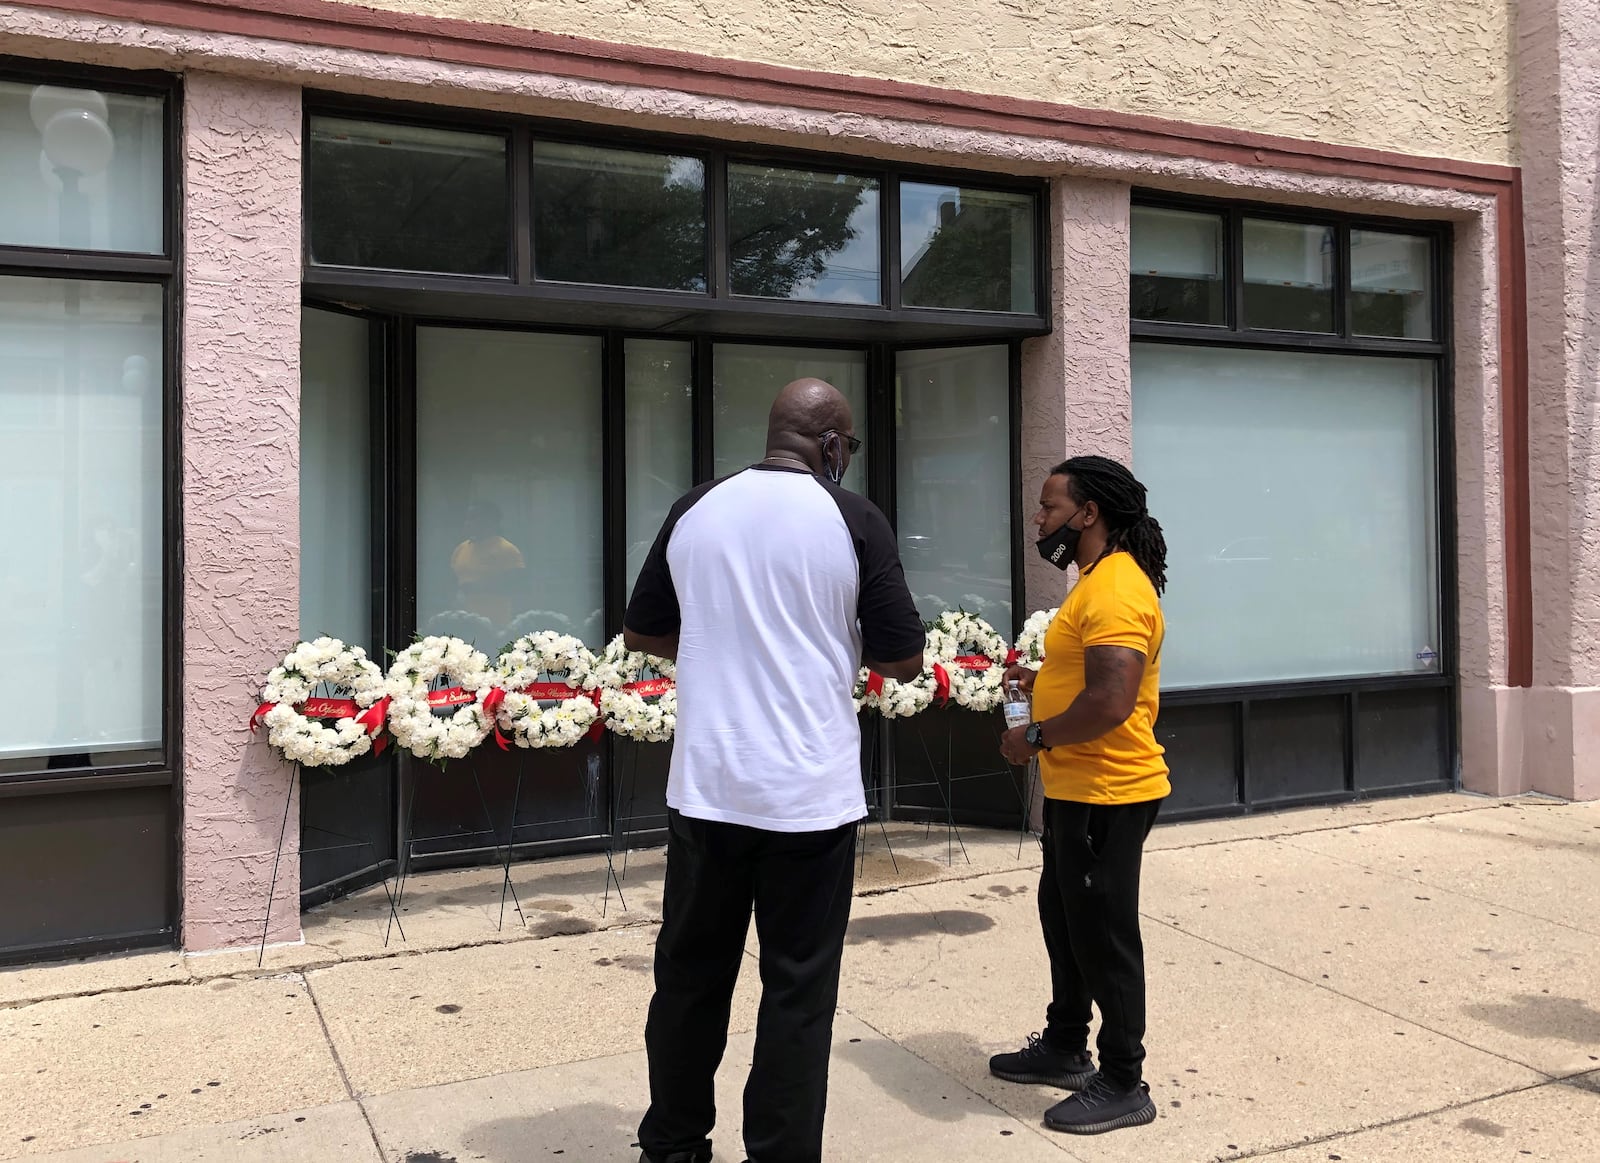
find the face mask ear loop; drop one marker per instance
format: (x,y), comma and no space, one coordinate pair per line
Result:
(834,468)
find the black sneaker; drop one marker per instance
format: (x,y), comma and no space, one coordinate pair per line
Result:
(699,1155)
(1100,1107)
(1041,1064)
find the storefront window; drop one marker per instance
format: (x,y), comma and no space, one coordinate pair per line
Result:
(1177,266)
(81,169)
(1288,276)
(748,377)
(619,217)
(1391,285)
(660,440)
(509,485)
(795,234)
(966,248)
(335,478)
(81,373)
(407,198)
(1297,492)
(953,457)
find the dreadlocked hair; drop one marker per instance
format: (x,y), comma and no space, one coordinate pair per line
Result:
(1121,499)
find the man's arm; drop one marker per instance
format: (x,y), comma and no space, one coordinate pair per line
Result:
(662,646)
(1111,677)
(903,671)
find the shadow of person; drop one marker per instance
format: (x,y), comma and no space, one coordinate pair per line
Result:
(595,1131)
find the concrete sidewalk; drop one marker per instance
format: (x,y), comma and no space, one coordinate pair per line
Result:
(1410,980)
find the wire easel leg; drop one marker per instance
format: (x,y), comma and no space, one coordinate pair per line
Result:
(405,863)
(954,835)
(511,835)
(616,826)
(1027,805)
(272,890)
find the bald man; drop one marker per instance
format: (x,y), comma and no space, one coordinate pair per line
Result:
(770,587)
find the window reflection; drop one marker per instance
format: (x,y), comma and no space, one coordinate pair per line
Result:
(619,217)
(953,457)
(793,234)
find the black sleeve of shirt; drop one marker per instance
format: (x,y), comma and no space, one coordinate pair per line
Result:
(653,608)
(891,628)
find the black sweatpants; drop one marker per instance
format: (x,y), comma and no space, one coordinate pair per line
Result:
(1089,908)
(799,885)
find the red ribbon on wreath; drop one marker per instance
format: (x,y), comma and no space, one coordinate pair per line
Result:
(1013,656)
(491,704)
(874,683)
(649,688)
(941,683)
(373,719)
(976,662)
(260,715)
(329,708)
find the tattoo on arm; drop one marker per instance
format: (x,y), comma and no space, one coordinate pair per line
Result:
(1111,675)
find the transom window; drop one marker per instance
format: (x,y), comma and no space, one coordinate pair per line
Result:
(559,217)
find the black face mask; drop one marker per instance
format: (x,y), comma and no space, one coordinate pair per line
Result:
(1060,548)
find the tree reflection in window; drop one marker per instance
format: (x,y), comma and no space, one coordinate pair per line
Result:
(619,218)
(408,198)
(794,234)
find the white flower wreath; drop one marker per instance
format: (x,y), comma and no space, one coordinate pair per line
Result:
(633,706)
(1030,643)
(322,731)
(411,710)
(973,656)
(900,700)
(545,691)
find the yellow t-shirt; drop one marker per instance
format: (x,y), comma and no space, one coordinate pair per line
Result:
(1114,604)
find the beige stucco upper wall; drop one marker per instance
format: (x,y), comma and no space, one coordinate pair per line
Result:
(1415,76)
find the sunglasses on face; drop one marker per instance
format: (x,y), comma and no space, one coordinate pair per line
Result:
(851,442)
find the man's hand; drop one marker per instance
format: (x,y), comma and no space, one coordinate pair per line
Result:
(1015,748)
(1023,675)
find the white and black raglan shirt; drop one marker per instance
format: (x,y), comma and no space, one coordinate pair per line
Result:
(776,582)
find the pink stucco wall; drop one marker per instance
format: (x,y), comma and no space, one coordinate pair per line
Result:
(1559,122)
(1077,393)
(241,523)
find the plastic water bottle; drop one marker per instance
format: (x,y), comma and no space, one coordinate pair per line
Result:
(1017,709)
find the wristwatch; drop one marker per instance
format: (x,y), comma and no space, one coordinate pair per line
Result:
(1034,736)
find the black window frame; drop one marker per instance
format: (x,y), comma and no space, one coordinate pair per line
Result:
(60,263)
(1228,708)
(407,292)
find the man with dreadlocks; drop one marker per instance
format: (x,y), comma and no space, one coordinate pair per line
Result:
(1094,706)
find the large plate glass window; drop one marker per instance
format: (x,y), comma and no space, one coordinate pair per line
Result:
(335,478)
(408,198)
(800,234)
(620,217)
(660,441)
(1298,496)
(81,373)
(509,485)
(953,461)
(81,169)
(746,378)
(965,248)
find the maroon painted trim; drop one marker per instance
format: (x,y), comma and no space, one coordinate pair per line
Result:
(1516,492)
(338,25)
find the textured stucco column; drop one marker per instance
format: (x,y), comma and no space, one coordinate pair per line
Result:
(1491,711)
(241,523)
(1559,122)
(1077,394)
